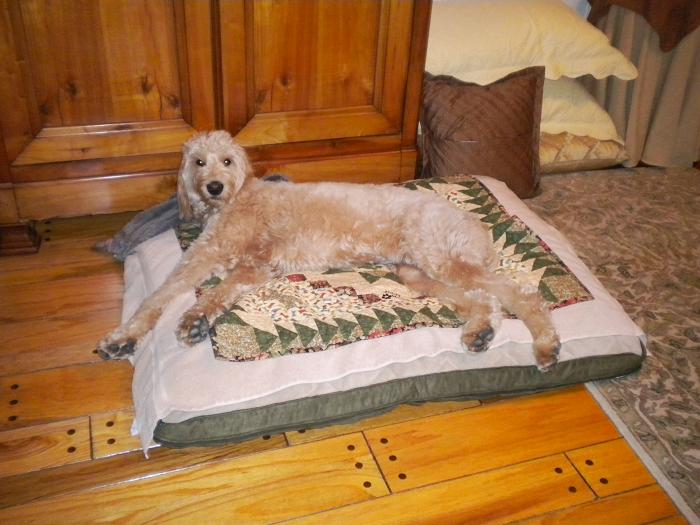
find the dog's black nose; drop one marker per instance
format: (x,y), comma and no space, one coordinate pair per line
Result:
(215,187)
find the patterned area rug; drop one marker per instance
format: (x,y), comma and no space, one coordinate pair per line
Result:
(639,232)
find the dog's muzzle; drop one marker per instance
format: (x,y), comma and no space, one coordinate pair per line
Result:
(215,188)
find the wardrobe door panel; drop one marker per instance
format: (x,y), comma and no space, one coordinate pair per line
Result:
(314,70)
(104,79)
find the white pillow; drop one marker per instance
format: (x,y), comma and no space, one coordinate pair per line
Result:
(582,7)
(567,106)
(484,40)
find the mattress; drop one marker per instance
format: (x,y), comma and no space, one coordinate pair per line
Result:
(186,396)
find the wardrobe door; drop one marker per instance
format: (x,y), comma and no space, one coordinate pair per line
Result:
(314,70)
(101,89)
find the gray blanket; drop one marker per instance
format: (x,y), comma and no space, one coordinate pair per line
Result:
(143,226)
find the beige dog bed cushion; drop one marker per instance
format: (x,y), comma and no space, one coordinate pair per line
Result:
(336,345)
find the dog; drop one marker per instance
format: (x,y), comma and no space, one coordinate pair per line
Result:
(258,230)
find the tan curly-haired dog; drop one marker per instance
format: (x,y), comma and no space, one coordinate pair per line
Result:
(257,230)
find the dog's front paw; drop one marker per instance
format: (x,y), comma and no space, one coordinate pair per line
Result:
(546,350)
(115,348)
(476,339)
(193,328)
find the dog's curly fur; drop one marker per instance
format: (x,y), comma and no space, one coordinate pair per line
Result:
(256,230)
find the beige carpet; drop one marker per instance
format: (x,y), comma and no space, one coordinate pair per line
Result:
(639,232)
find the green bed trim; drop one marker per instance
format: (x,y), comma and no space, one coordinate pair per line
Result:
(353,405)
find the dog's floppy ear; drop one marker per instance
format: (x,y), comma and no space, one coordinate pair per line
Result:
(244,162)
(183,200)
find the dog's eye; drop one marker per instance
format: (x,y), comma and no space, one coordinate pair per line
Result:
(227,162)
(200,162)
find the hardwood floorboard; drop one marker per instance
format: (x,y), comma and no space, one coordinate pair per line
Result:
(610,468)
(673,520)
(120,469)
(64,297)
(86,227)
(66,251)
(35,448)
(47,273)
(644,505)
(446,446)
(498,496)
(30,346)
(494,462)
(64,393)
(270,486)
(111,434)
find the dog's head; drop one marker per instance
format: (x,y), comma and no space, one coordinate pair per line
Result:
(212,172)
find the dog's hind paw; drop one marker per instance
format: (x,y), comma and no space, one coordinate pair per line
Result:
(478,340)
(547,352)
(193,329)
(114,349)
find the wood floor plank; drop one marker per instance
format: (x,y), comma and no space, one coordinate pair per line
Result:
(673,520)
(91,226)
(644,505)
(452,445)
(111,434)
(52,255)
(29,346)
(123,468)
(46,273)
(266,487)
(400,413)
(61,298)
(43,446)
(65,252)
(68,240)
(611,467)
(64,393)
(494,497)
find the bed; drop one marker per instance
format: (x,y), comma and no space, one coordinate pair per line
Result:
(207,395)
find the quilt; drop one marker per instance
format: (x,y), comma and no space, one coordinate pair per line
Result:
(314,311)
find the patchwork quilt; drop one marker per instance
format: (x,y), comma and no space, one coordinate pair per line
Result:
(314,311)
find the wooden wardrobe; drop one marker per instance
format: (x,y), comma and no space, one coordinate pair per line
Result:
(97,96)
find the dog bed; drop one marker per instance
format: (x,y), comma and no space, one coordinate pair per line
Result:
(219,393)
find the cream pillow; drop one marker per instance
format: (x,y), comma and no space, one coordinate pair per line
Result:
(568,107)
(564,152)
(483,40)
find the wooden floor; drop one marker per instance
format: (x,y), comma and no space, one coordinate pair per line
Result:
(66,455)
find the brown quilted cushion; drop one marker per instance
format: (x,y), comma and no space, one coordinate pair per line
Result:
(489,130)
